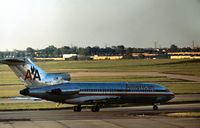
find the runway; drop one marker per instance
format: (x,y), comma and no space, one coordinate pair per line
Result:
(121,117)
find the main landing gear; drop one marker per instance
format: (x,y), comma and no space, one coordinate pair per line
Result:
(77,108)
(155,106)
(95,108)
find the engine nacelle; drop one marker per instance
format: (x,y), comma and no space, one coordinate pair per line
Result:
(59,76)
(56,78)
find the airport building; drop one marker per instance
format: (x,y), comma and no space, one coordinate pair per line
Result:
(184,55)
(96,57)
(70,56)
(48,59)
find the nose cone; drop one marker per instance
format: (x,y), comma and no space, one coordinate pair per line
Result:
(165,98)
(24,92)
(170,96)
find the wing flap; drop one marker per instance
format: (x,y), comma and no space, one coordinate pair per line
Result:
(93,99)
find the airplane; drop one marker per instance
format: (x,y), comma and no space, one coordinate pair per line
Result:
(59,88)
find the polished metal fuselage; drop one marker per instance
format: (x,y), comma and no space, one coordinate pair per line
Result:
(102,93)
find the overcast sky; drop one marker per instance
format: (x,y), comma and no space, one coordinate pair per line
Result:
(134,23)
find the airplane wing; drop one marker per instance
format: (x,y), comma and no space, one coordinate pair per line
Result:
(94,99)
(58,91)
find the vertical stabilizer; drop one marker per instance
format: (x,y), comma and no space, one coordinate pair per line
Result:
(26,71)
(32,75)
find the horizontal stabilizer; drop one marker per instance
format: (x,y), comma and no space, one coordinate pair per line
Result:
(12,61)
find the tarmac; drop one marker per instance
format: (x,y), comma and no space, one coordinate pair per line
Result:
(120,117)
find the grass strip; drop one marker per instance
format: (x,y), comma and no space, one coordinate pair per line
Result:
(32,106)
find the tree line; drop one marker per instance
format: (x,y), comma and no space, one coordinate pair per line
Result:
(54,52)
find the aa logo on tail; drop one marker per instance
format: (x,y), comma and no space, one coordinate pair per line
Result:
(32,74)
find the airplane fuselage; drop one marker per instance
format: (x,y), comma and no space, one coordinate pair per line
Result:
(102,93)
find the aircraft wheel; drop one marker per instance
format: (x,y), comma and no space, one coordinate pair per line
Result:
(95,108)
(155,107)
(77,108)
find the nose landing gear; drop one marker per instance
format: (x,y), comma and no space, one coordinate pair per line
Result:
(77,108)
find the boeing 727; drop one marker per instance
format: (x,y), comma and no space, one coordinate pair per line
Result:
(57,87)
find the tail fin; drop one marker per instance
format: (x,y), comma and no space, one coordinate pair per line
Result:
(31,74)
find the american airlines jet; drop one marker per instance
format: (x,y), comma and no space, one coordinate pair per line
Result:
(57,87)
